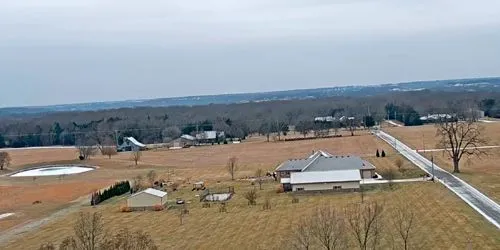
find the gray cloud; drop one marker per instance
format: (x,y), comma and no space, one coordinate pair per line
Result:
(130,49)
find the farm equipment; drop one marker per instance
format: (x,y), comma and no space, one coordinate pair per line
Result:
(198,186)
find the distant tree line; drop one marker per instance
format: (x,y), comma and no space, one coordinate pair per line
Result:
(117,189)
(162,124)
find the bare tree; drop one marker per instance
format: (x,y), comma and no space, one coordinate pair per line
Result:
(4,160)
(251,197)
(301,236)
(328,227)
(138,185)
(259,173)
(136,156)
(171,133)
(86,151)
(109,151)
(389,174)
(89,230)
(459,138)
(364,221)
(69,243)
(404,222)
(47,246)
(151,176)
(232,166)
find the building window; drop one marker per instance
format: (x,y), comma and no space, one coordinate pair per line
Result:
(337,187)
(299,189)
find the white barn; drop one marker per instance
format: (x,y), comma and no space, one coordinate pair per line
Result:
(147,199)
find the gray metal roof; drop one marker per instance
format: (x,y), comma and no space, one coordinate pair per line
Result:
(322,161)
(325,176)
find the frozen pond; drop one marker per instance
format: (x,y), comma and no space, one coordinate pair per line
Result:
(217,197)
(3,216)
(53,170)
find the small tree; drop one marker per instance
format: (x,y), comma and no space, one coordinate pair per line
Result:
(4,160)
(136,156)
(138,183)
(89,230)
(232,166)
(404,222)
(259,173)
(69,243)
(377,153)
(151,177)
(302,237)
(251,197)
(328,227)
(364,222)
(109,151)
(383,153)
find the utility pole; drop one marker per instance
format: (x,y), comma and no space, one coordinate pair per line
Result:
(116,137)
(432,165)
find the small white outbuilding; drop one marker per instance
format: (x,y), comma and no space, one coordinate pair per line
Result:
(147,199)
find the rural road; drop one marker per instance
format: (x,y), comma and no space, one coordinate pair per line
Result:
(478,201)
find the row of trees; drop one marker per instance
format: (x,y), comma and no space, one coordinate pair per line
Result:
(155,125)
(363,225)
(90,234)
(117,189)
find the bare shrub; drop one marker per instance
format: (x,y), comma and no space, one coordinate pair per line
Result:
(232,166)
(364,222)
(222,207)
(125,209)
(399,164)
(205,205)
(267,204)
(158,208)
(47,246)
(138,183)
(108,151)
(126,239)
(280,190)
(69,243)
(151,177)
(251,197)
(136,156)
(86,151)
(4,160)
(389,174)
(295,199)
(259,173)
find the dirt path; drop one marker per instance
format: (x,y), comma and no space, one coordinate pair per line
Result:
(18,231)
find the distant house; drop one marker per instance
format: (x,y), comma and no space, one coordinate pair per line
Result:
(323,171)
(131,144)
(209,136)
(147,199)
(184,141)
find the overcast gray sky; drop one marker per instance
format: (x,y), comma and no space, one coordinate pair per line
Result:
(68,51)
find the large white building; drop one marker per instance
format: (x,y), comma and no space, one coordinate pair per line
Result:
(323,171)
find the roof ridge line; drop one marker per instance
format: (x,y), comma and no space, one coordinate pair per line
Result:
(318,154)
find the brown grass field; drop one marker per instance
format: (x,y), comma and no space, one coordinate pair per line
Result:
(483,172)
(444,220)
